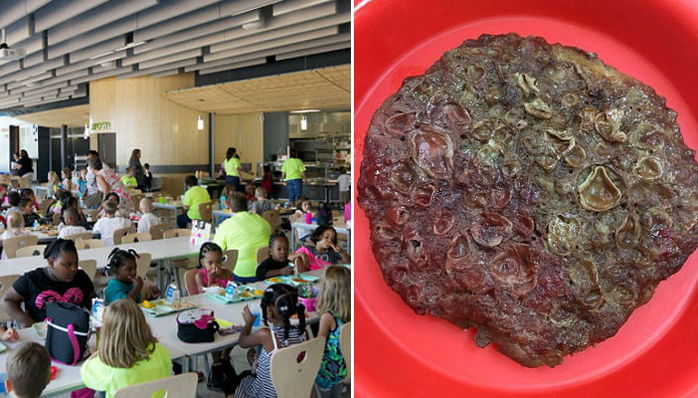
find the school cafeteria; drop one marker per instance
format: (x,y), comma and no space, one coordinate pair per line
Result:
(175,193)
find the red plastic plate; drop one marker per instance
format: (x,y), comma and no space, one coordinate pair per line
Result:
(401,354)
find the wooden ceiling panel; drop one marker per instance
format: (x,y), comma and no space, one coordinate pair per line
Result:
(318,88)
(73,116)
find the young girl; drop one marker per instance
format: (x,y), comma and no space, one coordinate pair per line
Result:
(29,193)
(15,228)
(67,175)
(324,251)
(278,261)
(279,303)
(303,207)
(334,307)
(127,354)
(53,183)
(82,182)
(125,284)
(212,273)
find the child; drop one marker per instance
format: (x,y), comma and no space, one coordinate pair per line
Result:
(278,261)
(29,193)
(303,207)
(193,197)
(148,219)
(126,283)
(344,181)
(127,354)
(53,183)
(28,370)
(13,199)
(279,304)
(249,192)
(72,226)
(212,273)
(67,175)
(267,181)
(147,177)
(129,180)
(111,196)
(82,182)
(4,190)
(30,217)
(334,307)
(262,204)
(15,228)
(110,223)
(71,202)
(324,250)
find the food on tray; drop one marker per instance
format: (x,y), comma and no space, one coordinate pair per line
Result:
(147,304)
(529,191)
(275,280)
(180,305)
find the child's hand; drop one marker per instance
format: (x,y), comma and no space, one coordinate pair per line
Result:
(247,315)
(10,335)
(289,271)
(138,283)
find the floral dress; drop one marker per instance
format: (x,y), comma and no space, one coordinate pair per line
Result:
(333,368)
(116,186)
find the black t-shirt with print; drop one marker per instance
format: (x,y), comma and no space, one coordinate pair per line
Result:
(269,265)
(38,289)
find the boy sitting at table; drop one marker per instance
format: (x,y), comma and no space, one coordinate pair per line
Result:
(129,180)
(30,217)
(193,197)
(280,262)
(13,199)
(71,217)
(262,204)
(110,223)
(148,219)
(28,371)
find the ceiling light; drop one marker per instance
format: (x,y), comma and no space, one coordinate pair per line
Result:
(10,54)
(307,111)
(304,123)
(200,123)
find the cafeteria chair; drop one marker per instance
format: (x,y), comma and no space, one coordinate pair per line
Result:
(80,236)
(262,254)
(156,231)
(90,268)
(44,206)
(143,264)
(11,245)
(31,251)
(273,218)
(206,211)
(175,233)
(121,232)
(230,258)
(294,368)
(136,237)
(190,282)
(89,244)
(179,386)
(6,281)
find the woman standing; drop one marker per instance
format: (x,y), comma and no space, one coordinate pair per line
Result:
(135,163)
(231,166)
(25,165)
(293,169)
(108,181)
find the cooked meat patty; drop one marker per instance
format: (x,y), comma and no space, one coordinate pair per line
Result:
(530,191)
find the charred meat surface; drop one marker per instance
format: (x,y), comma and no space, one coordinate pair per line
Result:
(530,191)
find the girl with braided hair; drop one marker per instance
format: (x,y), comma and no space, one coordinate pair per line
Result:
(126,283)
(279,304)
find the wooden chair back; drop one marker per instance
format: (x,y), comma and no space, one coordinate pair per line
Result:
(6,282)
(294,368)
(175,233)
(80,236)
(90,268)
(89,244)
(121,232)
(31,251)
(190,281)
(11,245)
(44,205)
(262,254)
(231,258)
(156,231)
(273,218)
(143,264)
(136,237)
(345,346)
(179,386)
(206,211)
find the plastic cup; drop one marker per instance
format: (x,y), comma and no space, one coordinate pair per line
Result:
(256,310)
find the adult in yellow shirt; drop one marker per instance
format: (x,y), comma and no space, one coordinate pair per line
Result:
(231,166)
(193,197)
(246,232)
(293,169)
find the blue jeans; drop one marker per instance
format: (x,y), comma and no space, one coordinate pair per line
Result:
(183,220)
(233,181)
(294,188)
(244,280)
